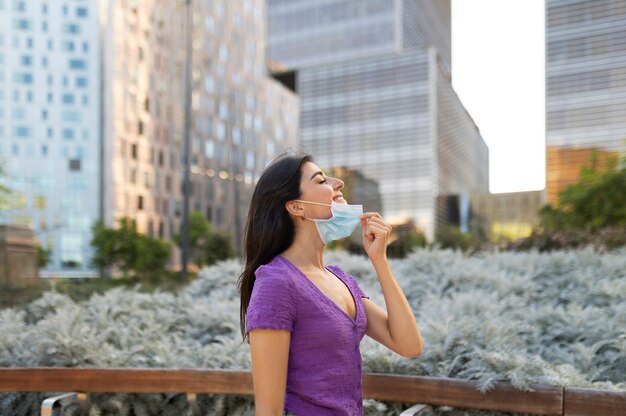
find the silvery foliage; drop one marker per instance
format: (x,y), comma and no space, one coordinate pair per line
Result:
(523,318)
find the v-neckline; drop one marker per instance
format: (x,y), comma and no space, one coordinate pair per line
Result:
(323,295)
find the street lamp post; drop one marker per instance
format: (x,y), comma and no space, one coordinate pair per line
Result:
(186,145)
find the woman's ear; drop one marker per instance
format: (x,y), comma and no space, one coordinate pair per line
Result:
(295,209)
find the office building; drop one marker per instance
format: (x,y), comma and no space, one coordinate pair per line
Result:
(585,87)
(50,124)
(241,118)
(375,87)
(92,117)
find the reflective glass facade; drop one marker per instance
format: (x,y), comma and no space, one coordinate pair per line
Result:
(50,124)
(585,86)
(382,104)
(241,118)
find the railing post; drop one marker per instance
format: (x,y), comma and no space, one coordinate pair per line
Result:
(192,398)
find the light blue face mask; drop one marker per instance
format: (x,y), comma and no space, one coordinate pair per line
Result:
(343,222)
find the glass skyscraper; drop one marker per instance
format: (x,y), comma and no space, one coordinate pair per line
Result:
(585,87)
(50,123)
(375,87)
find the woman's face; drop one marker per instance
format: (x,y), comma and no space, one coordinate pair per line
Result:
(317,187)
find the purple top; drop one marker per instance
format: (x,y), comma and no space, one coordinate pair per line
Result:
(324,368)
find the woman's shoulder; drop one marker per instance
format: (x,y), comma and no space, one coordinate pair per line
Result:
(275,269)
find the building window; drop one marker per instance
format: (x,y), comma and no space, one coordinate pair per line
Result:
(133,151)
(26,60)
(21,24)
(140,203)
(71,28)
(68,134)
(81,12)
(44,150)
(23,78)
(40,202)
(71,116)
(85,47)
(22,131)
(140,128)
(67,46)
(68,98)
(78,64)
(74,165)
(81,82)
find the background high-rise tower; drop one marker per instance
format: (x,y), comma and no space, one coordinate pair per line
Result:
(240,117)
(585,87)
(375,87)
(50,124)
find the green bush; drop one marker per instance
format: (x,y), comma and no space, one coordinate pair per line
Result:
(452,237)
(207,246)
(604,239)
(124,248)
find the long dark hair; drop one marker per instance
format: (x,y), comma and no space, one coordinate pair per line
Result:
(269,229)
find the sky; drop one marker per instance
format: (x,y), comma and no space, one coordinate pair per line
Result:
(498,72)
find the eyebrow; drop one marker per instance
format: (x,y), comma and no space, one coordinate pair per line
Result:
(319,172)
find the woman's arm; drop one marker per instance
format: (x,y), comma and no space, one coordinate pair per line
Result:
(270,353)
(395,328)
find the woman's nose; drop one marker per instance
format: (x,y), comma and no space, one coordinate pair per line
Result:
(338,183)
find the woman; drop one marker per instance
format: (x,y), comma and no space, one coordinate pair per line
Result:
(305,320)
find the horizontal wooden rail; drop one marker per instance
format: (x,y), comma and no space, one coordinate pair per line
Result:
(542,400)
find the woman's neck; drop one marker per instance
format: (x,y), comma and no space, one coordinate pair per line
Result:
(306,251)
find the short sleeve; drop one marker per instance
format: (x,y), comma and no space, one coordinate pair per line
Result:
(272,304)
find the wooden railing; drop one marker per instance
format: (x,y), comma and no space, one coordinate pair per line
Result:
(542,400)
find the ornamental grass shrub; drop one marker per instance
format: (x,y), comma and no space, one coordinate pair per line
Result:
(528,318)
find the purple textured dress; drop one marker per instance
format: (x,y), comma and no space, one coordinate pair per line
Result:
(324,369)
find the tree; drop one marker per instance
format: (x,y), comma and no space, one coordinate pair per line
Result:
(407,239)
(127,249)
(43,256)
(596,201)
(206,245)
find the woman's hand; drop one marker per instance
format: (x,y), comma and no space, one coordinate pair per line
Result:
(376,234)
